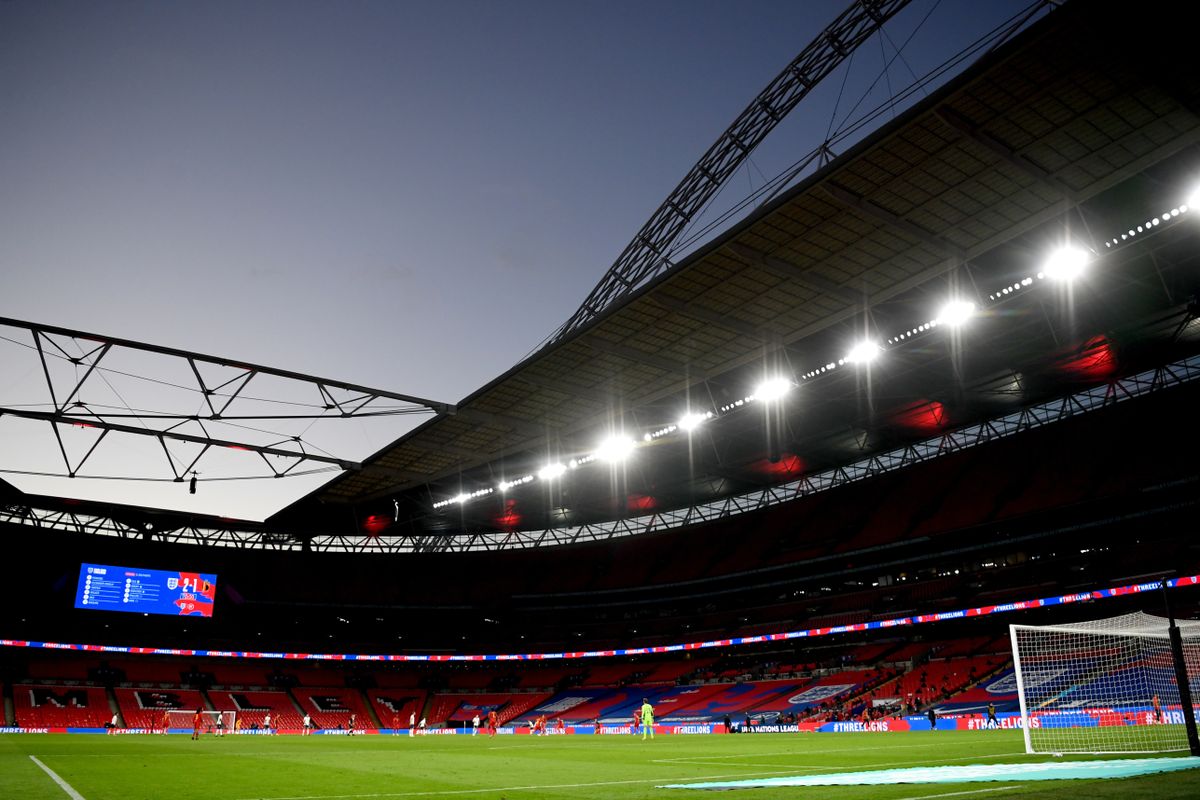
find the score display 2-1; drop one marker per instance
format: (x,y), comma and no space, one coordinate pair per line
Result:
(103,587)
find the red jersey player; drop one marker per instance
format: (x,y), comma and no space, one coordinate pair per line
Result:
(197,720)
(492,723)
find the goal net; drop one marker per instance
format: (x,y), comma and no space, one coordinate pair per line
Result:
(1103,686)
(208,721)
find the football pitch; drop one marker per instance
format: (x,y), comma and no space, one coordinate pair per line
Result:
(511,767)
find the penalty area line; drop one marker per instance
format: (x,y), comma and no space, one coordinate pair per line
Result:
(66,787)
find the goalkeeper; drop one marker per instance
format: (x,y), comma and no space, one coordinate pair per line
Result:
(647,718)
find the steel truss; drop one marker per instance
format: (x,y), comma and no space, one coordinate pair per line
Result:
(1027,419)
(224,400)
(649,253)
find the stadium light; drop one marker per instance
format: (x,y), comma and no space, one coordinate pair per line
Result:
(955,313)
(772,389)
(616,448)
(864,352)
(689,422)
(551,471)
(1066,263)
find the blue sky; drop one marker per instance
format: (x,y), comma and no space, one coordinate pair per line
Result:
(404,195)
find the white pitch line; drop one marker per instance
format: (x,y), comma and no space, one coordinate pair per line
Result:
(804,752)
(66,787)
(513,788)
(267,754)
(826,766)
(959,794)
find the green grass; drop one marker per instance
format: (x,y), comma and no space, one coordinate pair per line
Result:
(575,767)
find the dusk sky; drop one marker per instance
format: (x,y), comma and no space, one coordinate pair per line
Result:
(406,195)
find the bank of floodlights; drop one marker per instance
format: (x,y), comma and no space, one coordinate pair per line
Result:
(1060,266)
(1065,264)
(955,313)
(864,352)
(551,471)
(615,449)
(771,390)
(689,422)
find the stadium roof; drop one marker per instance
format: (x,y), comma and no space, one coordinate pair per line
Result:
(1082,126)
(1084,129)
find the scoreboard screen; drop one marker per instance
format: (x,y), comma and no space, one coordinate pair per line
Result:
(150,591)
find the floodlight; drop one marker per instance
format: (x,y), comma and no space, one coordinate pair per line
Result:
(551,471)
(955,313)
(864,352)
(690,422)
(772,389)
(1066,263)
(616,448)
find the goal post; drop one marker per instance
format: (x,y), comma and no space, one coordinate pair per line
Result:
(1106,686)
(182,719)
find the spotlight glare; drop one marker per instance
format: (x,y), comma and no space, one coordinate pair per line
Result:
(956,312)
(864,352)
(551,471)
(615,449)
(1066,263)
(690,422)
(772,389)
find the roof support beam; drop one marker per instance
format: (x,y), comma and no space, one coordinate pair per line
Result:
(79,420)
(649,254)
(972,131)
(112,341)
(881,214)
